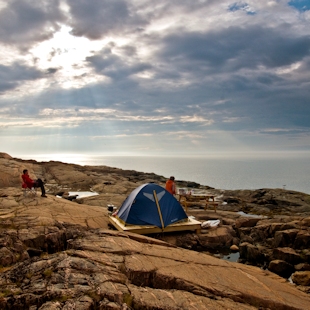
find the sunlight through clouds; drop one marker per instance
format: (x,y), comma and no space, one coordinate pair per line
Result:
(222,74)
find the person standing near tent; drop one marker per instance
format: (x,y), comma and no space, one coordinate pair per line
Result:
(170,186)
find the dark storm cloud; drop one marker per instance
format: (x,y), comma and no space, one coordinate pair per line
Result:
(24,22)
(234,48)
(95,19)
(12,76)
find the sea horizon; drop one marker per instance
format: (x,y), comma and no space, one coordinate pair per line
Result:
(266,170)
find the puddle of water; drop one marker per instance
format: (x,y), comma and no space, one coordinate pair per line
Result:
(225,255)
(232,257)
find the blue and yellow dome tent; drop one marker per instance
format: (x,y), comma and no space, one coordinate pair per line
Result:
(150,208)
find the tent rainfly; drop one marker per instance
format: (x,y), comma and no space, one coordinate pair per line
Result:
(151,204)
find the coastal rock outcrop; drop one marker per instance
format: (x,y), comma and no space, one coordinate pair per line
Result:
(61,254)
(102,269)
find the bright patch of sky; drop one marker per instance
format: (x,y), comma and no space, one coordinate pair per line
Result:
(301,5)
(242,6)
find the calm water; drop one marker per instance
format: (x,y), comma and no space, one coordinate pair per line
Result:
(289,173)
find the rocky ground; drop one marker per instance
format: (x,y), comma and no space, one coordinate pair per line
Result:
(61,254)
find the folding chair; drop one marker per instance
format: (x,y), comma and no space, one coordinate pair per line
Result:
(29,191)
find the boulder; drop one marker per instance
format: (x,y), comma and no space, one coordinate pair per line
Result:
(285,238)
(246,238)
(302,240)
(228,221)
(251,253)
(281,268)
(220,237)
(274,227)
(287,254)
(186,241)
(257,234)
(246,222)
(302,267)
(234,248)
(301,278)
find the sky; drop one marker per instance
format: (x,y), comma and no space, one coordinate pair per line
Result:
(165,77)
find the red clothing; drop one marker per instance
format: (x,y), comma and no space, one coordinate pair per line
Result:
(27,181)
(170,187)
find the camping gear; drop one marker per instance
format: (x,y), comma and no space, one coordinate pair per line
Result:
(151,204)
(210,223)
(110,208)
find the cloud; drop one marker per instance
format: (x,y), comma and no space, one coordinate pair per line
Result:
(23,23)
(15,74)
(243,6)
(209,71)
(234,49)
(98,18)
(113,66)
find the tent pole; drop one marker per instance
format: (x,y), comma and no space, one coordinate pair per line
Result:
(158,207)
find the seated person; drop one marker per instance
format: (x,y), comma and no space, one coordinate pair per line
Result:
(170,186)
(30,183)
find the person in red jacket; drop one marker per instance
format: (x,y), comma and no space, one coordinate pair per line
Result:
(31,183)
(170,186)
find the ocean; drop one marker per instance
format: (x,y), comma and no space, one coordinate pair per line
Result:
(290,173)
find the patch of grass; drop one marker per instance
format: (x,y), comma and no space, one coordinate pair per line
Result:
(93,295)
(47,273)
(5,293)
(44,255)
(29,275)
(62,298)
(128,299)
(304,255)
(65,298)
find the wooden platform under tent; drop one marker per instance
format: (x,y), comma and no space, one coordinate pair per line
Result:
(189,225)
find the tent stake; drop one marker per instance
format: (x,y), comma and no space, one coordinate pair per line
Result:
(158,207)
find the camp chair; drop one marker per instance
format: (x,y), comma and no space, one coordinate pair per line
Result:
(27,191)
